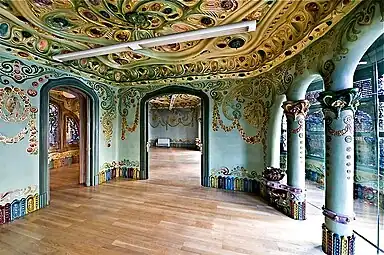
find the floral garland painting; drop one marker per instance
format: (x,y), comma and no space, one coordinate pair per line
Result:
(15,107)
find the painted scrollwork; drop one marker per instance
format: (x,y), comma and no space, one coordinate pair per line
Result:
(300,126)
(348,121)
(237,171)
(19,72)
(337,101)
(108,104)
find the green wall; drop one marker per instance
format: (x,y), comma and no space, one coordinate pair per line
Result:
(231,146)
(20,168)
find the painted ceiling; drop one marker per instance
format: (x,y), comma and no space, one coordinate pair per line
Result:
(175,101)
(39,29)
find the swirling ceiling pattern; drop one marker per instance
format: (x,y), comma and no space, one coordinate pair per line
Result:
(45,28)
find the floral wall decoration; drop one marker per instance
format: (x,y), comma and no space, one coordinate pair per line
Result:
(108,104)
(16,71)
(129,101)
(15,107)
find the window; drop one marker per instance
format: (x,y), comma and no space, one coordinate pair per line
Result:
(64,131)
(72,131)
(53,136)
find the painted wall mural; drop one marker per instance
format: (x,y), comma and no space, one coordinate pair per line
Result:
(172,118)
(20,83)
(243,102)
(16,71)
(179,124)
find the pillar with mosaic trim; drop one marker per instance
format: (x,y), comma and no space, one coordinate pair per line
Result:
(339,109)
(296,112)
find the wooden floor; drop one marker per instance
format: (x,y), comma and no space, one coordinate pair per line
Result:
(65,177)
(168,214)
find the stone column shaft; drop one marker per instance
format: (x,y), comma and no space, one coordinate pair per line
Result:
(339,108)
(296,112)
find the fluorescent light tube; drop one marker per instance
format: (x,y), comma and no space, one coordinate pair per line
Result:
(363,62)
(230,29)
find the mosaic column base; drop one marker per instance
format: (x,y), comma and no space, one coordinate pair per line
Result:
(333,244)
(298,210)
(286,199)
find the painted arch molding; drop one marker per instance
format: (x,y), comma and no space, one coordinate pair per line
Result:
(44,28)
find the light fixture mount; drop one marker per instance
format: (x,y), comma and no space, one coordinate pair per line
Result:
(206,33)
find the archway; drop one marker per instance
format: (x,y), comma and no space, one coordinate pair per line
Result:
(92,133)
(144,135)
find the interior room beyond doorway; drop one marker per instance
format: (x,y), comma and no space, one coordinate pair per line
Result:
(174,139)
(64,139)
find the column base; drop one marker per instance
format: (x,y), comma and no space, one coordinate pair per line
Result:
(288,200)
(333,244)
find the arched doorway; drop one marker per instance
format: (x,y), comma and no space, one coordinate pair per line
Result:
(144,130)
(89,150)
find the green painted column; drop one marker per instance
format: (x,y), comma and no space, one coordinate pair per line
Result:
(339,108)
(296,112)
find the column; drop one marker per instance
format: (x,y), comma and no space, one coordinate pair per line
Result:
(296,112)
(339,108)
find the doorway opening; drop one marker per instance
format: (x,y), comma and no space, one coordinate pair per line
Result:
(68,130)
(174,136)
(67,137)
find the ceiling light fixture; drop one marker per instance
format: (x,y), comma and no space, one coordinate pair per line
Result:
(206,33)
(363,62)
(68,95)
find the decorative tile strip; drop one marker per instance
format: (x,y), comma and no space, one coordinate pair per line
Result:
(60,159)
(334,244)
(124,169)
(232,183)
(339,218)
(18,208)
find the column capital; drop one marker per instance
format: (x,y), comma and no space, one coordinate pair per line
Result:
(295,109)
(338,101)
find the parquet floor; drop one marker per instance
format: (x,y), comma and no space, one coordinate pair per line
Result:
(168,214)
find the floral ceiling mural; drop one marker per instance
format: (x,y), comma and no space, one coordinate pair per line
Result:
(40,29)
